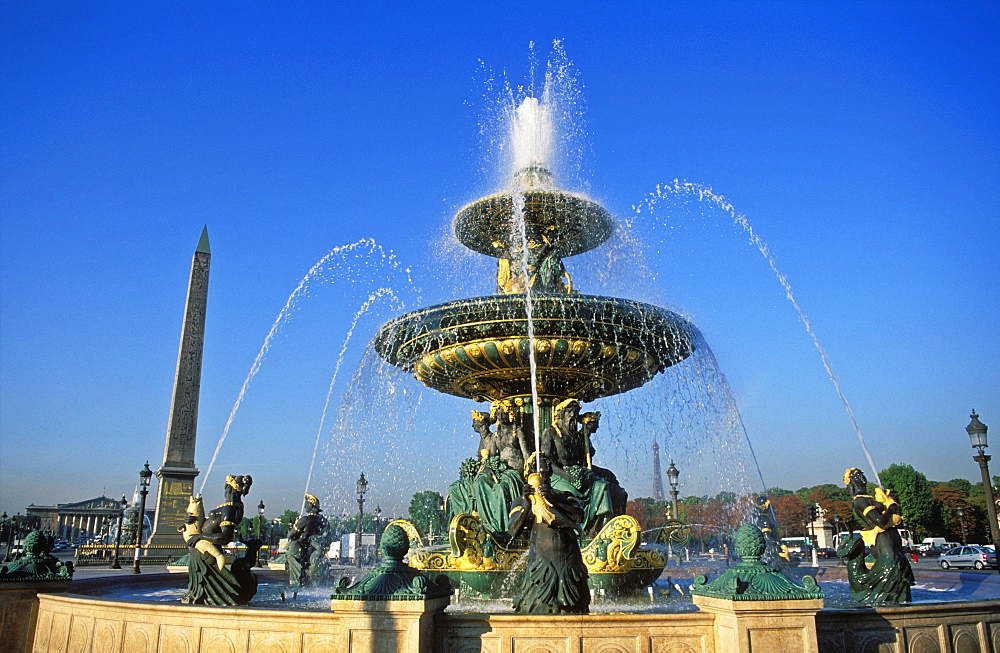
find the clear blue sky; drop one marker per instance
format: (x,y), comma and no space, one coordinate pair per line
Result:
(860,139)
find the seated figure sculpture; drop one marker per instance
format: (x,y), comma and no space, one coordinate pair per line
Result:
(209,581)
(510,439)
(487,486)
(890,577)
(564,446)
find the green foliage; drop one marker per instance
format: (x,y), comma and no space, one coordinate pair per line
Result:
(912,489)
(244,529)
(776,492)
(287,519)
(426,513)
(823,493)
(962,485)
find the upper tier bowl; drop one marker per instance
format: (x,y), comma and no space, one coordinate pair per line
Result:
(586,346)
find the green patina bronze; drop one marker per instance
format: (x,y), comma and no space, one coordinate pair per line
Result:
(393,579)
(751,579)
(210,581)
(37,563)
(888,580)
(580,348)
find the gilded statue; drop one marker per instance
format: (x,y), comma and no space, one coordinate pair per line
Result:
(890,577)
(209,581)
(555,580)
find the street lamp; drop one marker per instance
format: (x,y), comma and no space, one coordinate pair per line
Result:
(960,511)
(118,535)
(144,475)
(672,476)
(15,535)
(260,525)
(977,434)
(6,535)
(362,488)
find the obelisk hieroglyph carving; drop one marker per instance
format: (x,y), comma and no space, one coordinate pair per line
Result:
(177,473)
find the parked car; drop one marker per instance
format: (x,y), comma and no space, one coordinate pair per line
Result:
(935,551)
(826,553)
(979,557)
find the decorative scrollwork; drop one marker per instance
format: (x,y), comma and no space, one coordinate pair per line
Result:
(411,532)
(612,549)
(675,533)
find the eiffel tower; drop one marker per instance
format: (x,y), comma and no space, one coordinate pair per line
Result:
(657,476)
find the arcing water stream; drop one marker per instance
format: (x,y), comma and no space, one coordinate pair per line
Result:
(705,194)
(379,295)
(284,315)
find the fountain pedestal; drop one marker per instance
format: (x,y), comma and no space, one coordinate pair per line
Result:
(756,607)
(788,625)
(400,626)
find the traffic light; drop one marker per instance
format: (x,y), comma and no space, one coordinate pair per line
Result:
(812,512)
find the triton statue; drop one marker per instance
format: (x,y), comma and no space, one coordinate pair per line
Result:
(890,577)
(303,558)
(555,581)
(209,581)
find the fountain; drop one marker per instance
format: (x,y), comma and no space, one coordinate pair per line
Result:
(536,346)
(536,351)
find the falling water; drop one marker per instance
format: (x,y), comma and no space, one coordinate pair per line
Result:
(283,316)
(517,198)
(531,146)
(705,193)
(362,310)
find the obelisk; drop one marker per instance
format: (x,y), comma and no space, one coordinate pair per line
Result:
(177,473)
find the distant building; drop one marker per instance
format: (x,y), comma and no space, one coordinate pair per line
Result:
(72,521)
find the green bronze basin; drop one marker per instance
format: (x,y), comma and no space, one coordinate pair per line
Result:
(573,223)
(586,346)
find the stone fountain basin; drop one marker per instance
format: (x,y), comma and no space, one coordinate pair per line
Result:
(78,622)
(585,346)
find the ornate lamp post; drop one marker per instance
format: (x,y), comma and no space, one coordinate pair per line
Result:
(977,434)
(15,534)
(118,535)
(362,488)
(960,511)
(260,525)
(672,476)
(144,475)
(6,535)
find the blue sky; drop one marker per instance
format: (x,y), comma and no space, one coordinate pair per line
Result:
(860,140)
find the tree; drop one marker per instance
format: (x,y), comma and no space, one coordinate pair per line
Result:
(426,512)
(287,519)
(947,500)
(649,513)
(912,490)
(789,511)
(244,529)
(962,485)
(776,492)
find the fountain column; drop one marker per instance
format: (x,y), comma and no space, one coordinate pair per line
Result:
(178,472)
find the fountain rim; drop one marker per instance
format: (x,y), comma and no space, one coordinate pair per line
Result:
(471,222)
